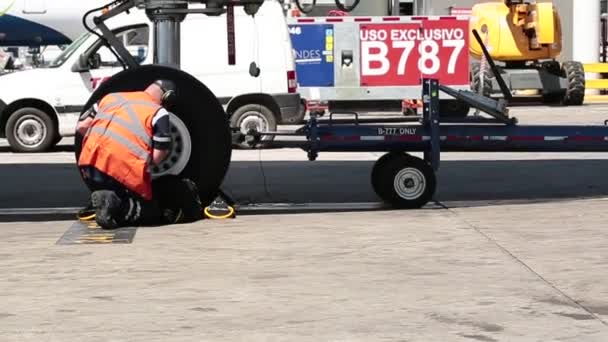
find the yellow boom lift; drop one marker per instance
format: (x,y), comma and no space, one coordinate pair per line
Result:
(526,38)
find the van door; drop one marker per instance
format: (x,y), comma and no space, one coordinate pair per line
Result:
(102,65)
(205,54)
(275,57)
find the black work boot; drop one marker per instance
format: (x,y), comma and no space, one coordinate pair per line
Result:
(108,209)
(191,205)
(171,216)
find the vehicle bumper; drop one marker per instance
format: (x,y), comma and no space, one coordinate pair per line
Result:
(291,108)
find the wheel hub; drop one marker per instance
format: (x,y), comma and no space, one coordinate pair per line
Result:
(30,131)
(181,149)
(410,183)
(253,121)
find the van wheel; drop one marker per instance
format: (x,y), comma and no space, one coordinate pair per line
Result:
(30,130)
(253,117)
(57,140)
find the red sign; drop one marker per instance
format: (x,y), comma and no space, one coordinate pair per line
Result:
(403,54)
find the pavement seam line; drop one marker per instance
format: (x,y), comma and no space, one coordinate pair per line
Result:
(514,257)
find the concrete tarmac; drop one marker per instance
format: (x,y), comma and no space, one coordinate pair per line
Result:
(533,272)
(513,250)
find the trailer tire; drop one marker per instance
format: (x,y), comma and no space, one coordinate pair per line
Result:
(377,170)
(486,86)
(203,118)
(406,182)
(575,93)
(255,117)
(30,129)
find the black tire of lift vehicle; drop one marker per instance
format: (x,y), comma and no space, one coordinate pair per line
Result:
(255,117)
(453,108)
(30,129)
(306,8)
(574,72)
(405,182)
(486,87)
(346,8)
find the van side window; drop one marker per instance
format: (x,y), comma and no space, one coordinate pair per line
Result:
(135,39)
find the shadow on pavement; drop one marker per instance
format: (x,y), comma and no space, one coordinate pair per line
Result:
(461,184)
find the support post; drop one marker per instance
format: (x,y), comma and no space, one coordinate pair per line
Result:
(167,18)
(167,37)
(430,118)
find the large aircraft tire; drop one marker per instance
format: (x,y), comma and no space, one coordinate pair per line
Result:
(205,125)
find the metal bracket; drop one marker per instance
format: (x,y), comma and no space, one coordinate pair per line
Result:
(165,11)
(355,114)
(430,118)
(495,108)
(501,82)
(111,38)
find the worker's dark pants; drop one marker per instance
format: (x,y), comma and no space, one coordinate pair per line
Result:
(169,193)
(134,209)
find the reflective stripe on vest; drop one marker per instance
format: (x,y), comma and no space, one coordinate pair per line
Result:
(135,126)
(136,150)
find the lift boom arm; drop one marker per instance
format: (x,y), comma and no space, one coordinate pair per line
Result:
(167,16)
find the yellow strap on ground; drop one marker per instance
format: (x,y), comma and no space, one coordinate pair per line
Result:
(87,218)
(221,217)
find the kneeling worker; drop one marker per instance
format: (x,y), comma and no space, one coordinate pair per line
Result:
(123,134)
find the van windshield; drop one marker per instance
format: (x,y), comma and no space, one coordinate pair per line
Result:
(69,51)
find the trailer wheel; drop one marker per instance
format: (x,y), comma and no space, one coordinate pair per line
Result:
(477,86)
(575,93)
(405,182)
(378,168)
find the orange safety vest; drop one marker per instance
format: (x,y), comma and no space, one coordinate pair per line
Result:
(119,140)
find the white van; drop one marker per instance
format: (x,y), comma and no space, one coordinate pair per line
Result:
(39,107)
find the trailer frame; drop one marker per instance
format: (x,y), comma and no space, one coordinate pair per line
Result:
(397,172)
